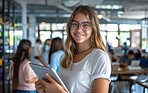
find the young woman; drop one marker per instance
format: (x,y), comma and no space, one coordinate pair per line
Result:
(43,58)
(55,53)
(85,67)
(22,76)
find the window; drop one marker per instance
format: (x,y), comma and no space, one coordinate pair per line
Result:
(111,39)
(112,27)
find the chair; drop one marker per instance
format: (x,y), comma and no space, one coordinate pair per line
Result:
(143,84)
(111,88)
(141,80)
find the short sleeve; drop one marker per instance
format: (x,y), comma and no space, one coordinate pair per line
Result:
(28,72)
(102,67)
(54,62)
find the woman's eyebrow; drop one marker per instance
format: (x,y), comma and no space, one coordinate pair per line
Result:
(74,21)
(81,22)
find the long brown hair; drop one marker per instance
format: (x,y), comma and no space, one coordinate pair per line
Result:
(21,54)
(96,39)
(56,45)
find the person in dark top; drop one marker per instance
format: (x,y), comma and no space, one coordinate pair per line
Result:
(112,56)
(125,48)
(126,60)
(138,54)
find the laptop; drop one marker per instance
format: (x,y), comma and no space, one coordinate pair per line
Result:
(134,65)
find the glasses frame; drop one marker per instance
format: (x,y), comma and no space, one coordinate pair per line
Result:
(80,24)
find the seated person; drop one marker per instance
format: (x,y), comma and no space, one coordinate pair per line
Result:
(112,56)
(138,54)
(126,60)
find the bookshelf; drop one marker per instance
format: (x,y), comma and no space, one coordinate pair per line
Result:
(6,52)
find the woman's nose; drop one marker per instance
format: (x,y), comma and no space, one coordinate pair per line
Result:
(79,28)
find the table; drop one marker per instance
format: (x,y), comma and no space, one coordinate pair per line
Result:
(124,71)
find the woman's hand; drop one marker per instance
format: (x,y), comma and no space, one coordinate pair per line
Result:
(43,86)
(33,80)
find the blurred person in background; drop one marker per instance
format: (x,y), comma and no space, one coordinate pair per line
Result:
(138,54)
(43,58)
(22,76)
(55,53)
(127,59)
(37,49)
(112,56)
(125,48)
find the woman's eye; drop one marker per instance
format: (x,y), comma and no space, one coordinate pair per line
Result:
(85,24)
(74,24)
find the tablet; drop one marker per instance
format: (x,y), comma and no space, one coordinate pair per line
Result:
(41,70)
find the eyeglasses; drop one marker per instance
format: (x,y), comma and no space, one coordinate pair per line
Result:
(85,26)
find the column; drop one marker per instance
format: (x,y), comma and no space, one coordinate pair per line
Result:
(24,18)
(32,30)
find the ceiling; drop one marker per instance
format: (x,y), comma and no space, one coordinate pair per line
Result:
(130,11)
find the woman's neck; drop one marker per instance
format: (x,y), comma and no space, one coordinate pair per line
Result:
(83,46)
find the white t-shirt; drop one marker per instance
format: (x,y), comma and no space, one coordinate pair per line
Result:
(37,49)
(80,79)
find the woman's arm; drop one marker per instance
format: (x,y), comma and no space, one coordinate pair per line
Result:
(41,60)
(100,85)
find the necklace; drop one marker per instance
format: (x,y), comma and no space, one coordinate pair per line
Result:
(84,50)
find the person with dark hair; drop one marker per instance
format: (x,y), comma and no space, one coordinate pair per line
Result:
(43,58)
(125,48)
(21,74)
(55,53)
(112,55)
(127,59)
(138,54)
(85,66)
(37,49)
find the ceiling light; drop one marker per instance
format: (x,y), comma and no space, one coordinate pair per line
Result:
(100,16)
(43,22)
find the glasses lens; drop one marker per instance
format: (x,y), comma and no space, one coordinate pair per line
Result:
(85,26)
(74,25)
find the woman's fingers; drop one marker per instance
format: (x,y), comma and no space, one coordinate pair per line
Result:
(47,82)
(48,87)
(39,87)
(50,78)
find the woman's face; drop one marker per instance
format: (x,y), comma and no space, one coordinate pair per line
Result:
(48,42)
(80,28)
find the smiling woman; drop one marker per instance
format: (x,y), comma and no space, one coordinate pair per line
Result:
(85,67)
